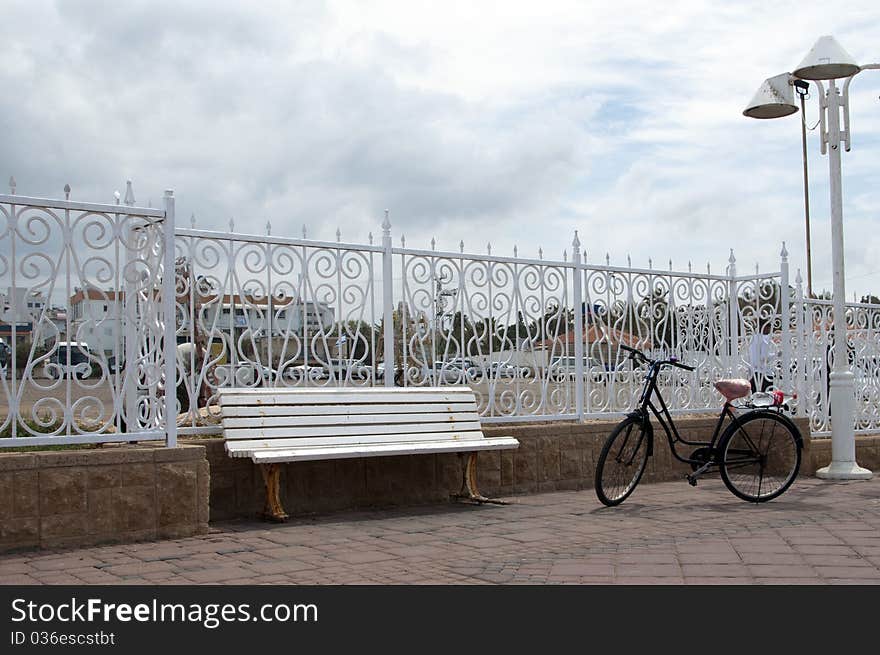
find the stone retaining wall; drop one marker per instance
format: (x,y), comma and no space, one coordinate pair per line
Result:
(552,456)
(124,493)
(118,493)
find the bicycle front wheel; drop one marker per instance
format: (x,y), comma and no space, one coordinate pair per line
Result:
(622,461)
(760,456)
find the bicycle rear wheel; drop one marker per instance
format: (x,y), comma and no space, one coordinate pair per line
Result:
(760,456)
(622,461)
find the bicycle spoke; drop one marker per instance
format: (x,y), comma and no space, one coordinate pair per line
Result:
(760,457)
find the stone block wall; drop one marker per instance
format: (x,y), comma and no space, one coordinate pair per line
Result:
(552,456)
(118,493)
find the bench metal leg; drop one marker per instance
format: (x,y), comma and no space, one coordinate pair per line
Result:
(469,488)
(272,477)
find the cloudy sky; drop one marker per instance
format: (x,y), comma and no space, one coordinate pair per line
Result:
(509,122)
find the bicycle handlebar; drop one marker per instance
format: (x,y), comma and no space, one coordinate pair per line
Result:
(635,353)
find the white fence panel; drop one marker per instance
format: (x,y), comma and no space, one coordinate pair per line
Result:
(81,361)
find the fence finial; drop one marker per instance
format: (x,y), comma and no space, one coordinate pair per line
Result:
(192,220)
(515,251)
(607,259)
(370,237)
(461,246)
(231,224)
(784,253)
(386,225)
(305,231)
(129,194)
(584,260)
(670,263)
(489,248)
(12,184)
(338,235)
(403,241)
(565,255)
(576,243)
(798,280)
(709,268)
(650,262)
(732,258)
(690,267)
(268,228)
(67,192)
(757,268)
(117,196)
(540,253)
(433,243)
(629,262)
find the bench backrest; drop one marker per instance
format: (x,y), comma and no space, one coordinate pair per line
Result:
(309,416)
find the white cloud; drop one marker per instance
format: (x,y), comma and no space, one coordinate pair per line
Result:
(509,122)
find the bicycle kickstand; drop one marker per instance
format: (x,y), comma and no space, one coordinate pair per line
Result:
(692,477)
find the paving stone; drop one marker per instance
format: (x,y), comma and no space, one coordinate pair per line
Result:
(671,534)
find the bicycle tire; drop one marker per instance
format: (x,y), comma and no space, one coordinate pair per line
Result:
(759,462)
(618,473)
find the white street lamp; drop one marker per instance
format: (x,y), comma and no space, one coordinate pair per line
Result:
(828,61)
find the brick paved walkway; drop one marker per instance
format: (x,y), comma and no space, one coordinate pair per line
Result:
(668,533)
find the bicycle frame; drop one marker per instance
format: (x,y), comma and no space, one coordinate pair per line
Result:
(649,390)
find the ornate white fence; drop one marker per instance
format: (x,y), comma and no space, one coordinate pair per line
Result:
(536,338)
(82,321)
(814,358)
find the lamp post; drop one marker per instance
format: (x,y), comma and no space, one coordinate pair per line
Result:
(827,61)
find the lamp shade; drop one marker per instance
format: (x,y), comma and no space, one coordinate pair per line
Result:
(774,99)
(826,60)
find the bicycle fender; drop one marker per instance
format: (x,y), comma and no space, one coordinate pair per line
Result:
(642,417)
(787,421)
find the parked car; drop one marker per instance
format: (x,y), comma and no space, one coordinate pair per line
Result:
(5,358)
(505,370)
(341,368)
(70,359)
(306,372)
(456,371)
(565,368)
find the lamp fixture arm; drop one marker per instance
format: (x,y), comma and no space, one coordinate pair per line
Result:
(846,135)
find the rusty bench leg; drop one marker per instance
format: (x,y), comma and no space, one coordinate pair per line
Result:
(272,477)
(469,490)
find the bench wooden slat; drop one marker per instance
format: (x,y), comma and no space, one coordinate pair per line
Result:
(241,411)
(234,422)
(374,450)
(308,442)
(272,397)
(346,430)
(246,391)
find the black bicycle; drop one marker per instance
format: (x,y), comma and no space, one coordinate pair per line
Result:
(758,453)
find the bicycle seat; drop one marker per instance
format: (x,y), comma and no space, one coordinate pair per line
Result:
(734,388)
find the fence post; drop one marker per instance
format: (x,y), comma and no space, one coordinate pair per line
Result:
(388,302)
(801,332)
(578,327)
(169,311)
(130,326)
(732,315)
(785,309)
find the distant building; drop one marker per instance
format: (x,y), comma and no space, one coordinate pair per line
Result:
(22,309)
(265,320)
(96,319)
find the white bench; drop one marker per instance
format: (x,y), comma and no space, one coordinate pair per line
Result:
(276,425)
